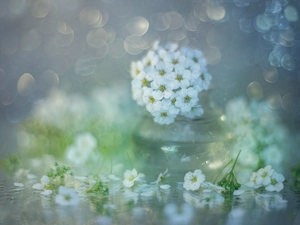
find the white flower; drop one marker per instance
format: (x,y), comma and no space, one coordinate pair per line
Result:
(44,186)
(181,77)
(193,180)
(253,182)
(130,176)
(136,68)
(163,117)
(179,215)
(276,183)
(202,81)
(187,98)
(264,175)
(162,176)
(163,86)
(152,99)
(66,196)
(150,60)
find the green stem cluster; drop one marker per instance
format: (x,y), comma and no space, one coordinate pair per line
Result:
(229,181)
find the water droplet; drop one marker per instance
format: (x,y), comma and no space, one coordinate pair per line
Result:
(26,84)
(271,75)
(85,65)
(290,13)
(255,90)
(137,26)
(274,100)
(288,62)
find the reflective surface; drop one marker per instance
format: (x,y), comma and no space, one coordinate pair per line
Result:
(65,75)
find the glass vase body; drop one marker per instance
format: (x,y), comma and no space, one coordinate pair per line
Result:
(184,145)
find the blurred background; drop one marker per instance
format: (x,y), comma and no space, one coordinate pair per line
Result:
(252,49)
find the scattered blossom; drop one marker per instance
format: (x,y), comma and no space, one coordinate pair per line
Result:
(130,176)
(193,180)
(162,177)
(66,196)
(168,80)
(44,186)
(276,182)
(268,178)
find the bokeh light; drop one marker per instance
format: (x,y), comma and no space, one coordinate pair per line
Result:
(26,84)
(274,100)
(255,90)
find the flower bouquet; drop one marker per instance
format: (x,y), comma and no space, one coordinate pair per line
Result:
(168,80)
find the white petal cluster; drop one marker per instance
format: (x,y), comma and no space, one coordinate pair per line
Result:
(267,178)
(131,176)
(43,186)
(168,80)
(193,180)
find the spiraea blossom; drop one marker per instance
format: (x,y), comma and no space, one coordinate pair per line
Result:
(168,80)
(268,178)
(193,180)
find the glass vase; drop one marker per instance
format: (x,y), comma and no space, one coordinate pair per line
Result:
(184,145)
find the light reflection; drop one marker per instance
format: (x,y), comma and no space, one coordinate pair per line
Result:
(274,100)
(90,16)
(176,20)
(215,13)
(26,84)
(41,9)
(290,13)
(288,102)
(271,75)
(49,80)
(160,21)
(255,90)
(137,26)
(96,38)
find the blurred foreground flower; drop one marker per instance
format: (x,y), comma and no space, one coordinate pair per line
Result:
(66,196)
